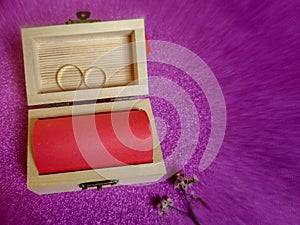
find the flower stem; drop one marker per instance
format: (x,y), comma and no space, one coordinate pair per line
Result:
(186,199)
(194,218)
(179,210)
(190,213)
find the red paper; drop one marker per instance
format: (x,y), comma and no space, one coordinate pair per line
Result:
(92,141)
(148,48)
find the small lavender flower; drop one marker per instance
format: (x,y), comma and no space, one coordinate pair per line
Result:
(195,179)
(164,205)
(183,182)
(192,194)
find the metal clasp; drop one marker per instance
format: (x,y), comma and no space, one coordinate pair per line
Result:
(98,184)
(83,18)
(60,104)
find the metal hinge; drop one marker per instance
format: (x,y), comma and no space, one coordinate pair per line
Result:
(118,99)
(83,18)
(57,104)
(98,184)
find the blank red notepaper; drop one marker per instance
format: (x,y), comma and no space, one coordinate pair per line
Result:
(92,141)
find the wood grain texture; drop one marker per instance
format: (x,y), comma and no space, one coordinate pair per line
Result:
(84,54)
(117,48)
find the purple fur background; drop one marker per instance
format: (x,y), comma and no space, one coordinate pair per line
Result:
(253,48)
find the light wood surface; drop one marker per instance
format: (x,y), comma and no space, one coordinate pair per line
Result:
(117,48)
(69,181)
(61,64)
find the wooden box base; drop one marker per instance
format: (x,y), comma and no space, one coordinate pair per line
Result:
(70,181)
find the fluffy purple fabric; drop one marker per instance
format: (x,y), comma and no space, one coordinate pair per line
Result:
(253,49)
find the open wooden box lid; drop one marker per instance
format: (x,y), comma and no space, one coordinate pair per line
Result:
(89,61)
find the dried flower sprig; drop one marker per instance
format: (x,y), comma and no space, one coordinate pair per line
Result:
(164,205)
(181,182)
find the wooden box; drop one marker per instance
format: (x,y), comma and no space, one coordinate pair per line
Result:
(118,48)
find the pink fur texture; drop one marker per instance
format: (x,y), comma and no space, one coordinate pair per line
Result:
(252,47)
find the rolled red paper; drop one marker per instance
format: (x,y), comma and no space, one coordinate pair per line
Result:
(92,141)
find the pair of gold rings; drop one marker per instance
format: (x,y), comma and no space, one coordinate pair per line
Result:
(70,77)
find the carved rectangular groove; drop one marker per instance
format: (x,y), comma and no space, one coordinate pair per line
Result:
(113,54)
